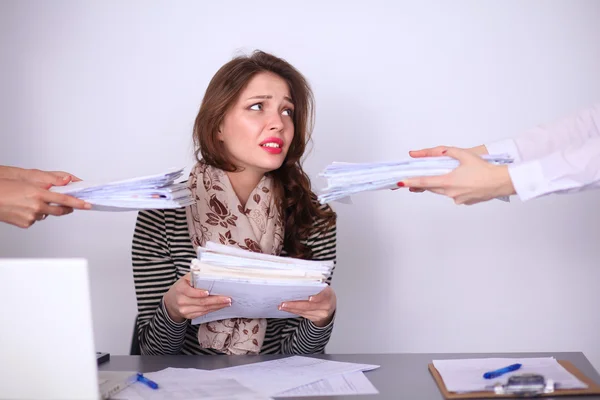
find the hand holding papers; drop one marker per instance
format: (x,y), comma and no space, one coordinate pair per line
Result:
(346,179)
(256,283)
(146,192)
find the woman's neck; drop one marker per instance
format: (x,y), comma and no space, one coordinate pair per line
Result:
(243,183)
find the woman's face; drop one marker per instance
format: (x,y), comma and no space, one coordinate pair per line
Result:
(258,129)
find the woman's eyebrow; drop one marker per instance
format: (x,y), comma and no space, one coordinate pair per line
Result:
(268,96)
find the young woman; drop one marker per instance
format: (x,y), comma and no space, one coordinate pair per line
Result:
(251,192)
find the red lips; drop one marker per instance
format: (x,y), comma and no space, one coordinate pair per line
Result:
(273,140)
(272,150)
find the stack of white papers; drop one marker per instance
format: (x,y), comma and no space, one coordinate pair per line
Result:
(345,179)
(146,192)
(302,376)
(466,375)
(256,283)
(287,377)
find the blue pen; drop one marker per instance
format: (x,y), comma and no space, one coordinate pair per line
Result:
(501,371)
(146,381)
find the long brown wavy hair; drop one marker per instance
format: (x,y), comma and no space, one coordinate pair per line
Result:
(299,205)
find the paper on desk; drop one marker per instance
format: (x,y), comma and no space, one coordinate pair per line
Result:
(277,376)
(189,384)
(338,385)
(466,375)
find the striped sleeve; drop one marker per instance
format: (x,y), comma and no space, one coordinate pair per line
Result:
(154,273)
(300,335)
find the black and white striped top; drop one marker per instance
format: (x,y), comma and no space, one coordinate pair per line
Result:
(162,252)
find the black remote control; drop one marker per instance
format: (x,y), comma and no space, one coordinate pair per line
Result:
(102,357)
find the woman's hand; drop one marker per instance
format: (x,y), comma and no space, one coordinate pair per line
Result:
(46,179)
(318,308)
(473,181)
(182,301)
(440,151)
(22,203)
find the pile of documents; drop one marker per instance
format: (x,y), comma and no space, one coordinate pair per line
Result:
(256,283)
(346,179)
(287,377)
(147,192)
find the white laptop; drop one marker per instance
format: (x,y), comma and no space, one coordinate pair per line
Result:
(46,333)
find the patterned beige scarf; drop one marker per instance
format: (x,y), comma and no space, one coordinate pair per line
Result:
(218,216)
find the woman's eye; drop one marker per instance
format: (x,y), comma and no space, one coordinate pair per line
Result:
(256,107)
(289,112)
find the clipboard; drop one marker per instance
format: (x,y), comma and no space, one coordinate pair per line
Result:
(592,389)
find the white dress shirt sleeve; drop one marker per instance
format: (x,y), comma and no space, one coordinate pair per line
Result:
(562,157)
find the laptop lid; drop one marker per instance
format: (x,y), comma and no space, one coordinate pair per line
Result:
(46,334)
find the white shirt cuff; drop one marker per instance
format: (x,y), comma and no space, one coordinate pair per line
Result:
(528,179)
(505,146)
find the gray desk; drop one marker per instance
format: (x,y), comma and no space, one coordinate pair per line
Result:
(401,376)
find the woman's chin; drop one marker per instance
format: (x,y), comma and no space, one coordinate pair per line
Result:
(271,166)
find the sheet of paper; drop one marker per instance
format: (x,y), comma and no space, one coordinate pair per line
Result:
(254,300)
(189,384)
(338,385)
(277,376)
(466,375)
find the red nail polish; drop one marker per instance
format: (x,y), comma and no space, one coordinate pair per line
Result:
(400,184)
